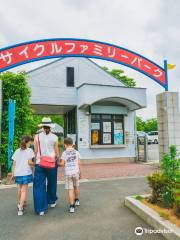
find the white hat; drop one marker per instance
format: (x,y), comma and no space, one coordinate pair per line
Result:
(46,122)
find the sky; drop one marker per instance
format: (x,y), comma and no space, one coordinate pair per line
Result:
(150,28)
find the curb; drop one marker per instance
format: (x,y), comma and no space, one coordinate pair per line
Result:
(169,230)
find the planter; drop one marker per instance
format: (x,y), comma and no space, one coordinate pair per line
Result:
(165,227)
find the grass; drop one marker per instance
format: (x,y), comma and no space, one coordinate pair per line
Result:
(167,214)
(164,215)
(139,197)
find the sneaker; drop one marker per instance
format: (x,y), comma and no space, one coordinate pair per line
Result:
(77,203)
(41,214)
(53,205)
(20,212)
(71,209)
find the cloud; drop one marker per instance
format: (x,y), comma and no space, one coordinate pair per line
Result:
(150,28)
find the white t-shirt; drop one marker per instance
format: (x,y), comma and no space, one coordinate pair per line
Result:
(47,142)
(21,158)
(70,157)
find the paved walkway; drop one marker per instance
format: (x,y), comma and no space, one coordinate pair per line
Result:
(108,170)
(102,214)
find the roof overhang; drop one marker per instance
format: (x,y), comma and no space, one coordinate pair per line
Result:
(132,98)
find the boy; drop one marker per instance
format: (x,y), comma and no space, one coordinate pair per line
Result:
(70,159)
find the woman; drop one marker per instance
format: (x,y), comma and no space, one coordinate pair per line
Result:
(46,145)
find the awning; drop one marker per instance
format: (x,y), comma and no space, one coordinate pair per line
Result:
(120,110)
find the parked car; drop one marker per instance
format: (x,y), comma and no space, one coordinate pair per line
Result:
(153,137)
(141,135)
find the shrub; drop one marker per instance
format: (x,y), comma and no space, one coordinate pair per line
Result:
(170,168)
(177,195)
(165,184)
(157,183)
(168,196)
(170,164)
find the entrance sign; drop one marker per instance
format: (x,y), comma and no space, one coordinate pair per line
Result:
(26,52)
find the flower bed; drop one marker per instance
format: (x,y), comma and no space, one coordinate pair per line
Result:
(158,223)
(165,213)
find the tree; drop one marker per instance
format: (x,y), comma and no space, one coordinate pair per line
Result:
(146,126)
(117,73)
(140,124)
(150,125)
(15,87)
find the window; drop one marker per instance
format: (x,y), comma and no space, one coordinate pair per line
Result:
(107,129)
(70,77)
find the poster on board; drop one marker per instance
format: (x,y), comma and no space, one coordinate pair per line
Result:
(83,136)
(118,137)
(118,126)
(95,137)
(106,138)
(106,126)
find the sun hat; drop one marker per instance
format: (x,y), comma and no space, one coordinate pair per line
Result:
(46,122)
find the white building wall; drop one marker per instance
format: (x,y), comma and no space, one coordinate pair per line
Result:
(128,151)
(48,83)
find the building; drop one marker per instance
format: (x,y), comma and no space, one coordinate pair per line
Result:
(97,107)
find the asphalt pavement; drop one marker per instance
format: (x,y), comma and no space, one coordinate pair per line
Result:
(101,216)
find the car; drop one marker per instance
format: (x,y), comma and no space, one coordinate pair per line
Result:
(140,136)
(153,137)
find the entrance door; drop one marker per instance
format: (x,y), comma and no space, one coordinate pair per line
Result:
(70,122)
